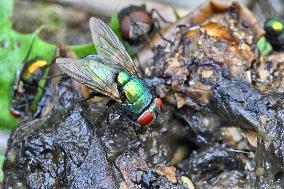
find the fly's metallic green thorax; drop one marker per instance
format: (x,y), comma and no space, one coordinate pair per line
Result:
(136,92)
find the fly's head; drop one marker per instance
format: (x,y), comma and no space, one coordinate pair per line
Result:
(150,114)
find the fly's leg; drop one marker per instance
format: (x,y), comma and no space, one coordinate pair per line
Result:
(27,102)
(157,30)
(53,76)
(178,36)
(157,25)
(155,11)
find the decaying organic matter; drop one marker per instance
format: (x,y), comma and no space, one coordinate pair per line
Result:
(238,101)
(216,65)
(198,56)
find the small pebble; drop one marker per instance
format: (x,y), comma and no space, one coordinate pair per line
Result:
(185,180)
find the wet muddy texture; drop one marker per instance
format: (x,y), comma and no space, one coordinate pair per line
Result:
(97,146)
(229,179)
(240,102)
(208,163)
(271,73)
(216,167)
(91,146)
(204,127)
(63,150)
(85,146)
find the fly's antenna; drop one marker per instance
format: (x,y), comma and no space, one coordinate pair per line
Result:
(35,35)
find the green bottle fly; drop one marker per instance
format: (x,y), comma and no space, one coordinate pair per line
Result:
(113,73)
(274,32)
(28,85)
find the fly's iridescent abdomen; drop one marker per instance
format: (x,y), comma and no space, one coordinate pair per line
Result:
(136,92)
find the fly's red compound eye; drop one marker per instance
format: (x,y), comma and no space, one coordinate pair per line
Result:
(145,118)
(159,103)
(15,113)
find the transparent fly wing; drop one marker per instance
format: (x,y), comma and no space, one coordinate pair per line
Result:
(94,73)
(109,46)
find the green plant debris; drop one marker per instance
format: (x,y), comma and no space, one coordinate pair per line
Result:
(264,46)
(82,51)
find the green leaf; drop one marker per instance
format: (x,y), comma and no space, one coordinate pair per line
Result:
(6,9)
(264,46)
(82,51)
(114,25)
